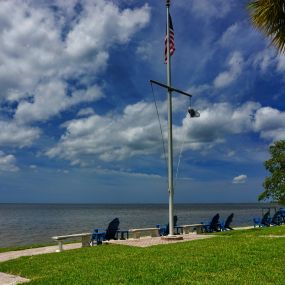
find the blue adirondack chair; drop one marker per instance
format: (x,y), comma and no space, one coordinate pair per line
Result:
(277,218)
(229,220)
(99,236)
(263,222)
(256,222)
(266,220)
(164,230)
(214,225)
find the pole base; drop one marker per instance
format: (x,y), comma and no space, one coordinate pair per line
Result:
(172,237)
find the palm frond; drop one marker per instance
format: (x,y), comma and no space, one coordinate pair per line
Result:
(269,17)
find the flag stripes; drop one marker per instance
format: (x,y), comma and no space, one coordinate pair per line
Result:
(171,41)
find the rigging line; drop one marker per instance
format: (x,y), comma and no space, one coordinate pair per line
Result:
(159,126)
(182,146)
(180,154)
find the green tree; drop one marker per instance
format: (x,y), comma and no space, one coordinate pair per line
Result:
(269,17)
(274,184)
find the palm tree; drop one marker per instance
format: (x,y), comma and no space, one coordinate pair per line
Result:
(269,17)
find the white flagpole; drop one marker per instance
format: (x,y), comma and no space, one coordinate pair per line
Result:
(170,144)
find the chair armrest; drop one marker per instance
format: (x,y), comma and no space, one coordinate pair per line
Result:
(99,230)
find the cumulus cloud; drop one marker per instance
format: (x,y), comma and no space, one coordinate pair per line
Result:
(270,123)
(17,135)
(235,64)
(51,48)
(96,32)
(51,99)
(240,179)
(48,48)
(7,162)
(216,123)
(135,132)
(50,60)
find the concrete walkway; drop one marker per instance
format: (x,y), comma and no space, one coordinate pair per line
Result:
(150,241)
(4,256)
(8,279)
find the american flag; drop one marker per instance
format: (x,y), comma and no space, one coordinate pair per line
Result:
(171,41)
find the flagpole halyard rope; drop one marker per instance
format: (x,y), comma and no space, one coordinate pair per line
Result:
(161,132)
(179,159)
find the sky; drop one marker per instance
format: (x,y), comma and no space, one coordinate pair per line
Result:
(78,122)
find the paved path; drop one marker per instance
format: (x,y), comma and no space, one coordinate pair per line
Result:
(150,241)
(8,279)
(4,256)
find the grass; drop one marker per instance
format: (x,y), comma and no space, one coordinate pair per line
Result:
(236,257)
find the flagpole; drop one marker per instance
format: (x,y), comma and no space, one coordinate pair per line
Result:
(170,143)
(170,43)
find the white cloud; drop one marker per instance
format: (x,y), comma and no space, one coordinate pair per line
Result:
(200,89)
(265,59)
(85,112)
(17,135)
(135,132)
(216,122)
(240,179)
(29,50)
(36,60)
(270,123)
(240,36)
(51,99)
(281,63)
(211,9)
(230,34)
(235,64)
(269,59)
(96,32)
(7,162)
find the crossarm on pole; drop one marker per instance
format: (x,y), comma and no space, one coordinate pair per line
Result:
(170,88)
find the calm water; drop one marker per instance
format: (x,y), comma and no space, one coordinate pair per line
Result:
(22,224)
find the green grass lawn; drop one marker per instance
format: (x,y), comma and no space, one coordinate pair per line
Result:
(236,257)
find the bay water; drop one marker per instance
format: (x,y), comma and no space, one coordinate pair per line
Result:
(24,224)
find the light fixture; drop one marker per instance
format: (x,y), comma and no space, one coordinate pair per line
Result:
(193,113)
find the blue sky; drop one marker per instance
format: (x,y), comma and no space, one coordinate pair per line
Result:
(77,117)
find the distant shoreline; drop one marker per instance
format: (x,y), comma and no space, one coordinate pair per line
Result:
(135,203)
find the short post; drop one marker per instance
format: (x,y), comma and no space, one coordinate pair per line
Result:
(60,247)
(85,241)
